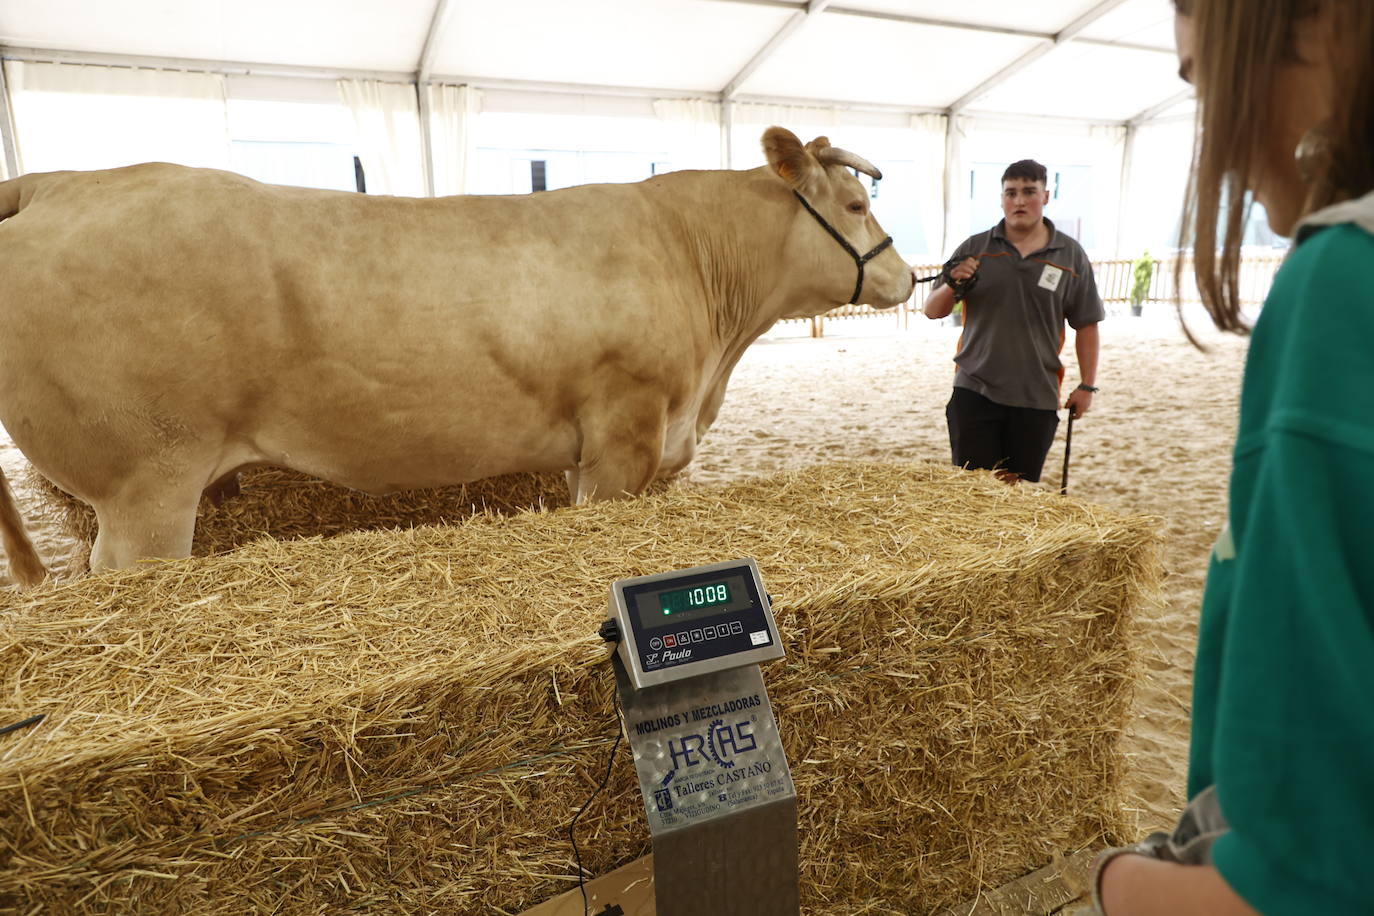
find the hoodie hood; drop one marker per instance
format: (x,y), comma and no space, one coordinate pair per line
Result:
(1359,211)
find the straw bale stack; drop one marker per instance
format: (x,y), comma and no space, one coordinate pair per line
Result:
(280,503)
(406,721)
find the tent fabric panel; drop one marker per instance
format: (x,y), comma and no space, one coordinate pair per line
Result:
(1137,22)
(666,44)
(1088,82)
(358,34)
(1049,15)
(858,60)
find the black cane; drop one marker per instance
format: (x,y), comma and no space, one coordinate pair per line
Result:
(1068,443)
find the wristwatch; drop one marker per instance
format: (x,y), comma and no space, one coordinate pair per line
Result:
(1088,388)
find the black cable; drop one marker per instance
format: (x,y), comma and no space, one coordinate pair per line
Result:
(572,828)
(31,720)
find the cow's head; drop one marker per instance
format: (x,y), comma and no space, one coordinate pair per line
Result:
(832,205)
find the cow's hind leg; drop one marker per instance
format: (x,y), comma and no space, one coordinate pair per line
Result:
(147,518)
(621,455)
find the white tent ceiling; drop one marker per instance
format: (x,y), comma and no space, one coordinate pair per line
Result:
(1090,60)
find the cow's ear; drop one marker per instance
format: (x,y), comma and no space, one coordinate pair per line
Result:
(793,162)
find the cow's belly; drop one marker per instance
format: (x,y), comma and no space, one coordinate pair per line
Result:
(382,448)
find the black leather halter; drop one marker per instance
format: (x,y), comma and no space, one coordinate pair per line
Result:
(859,259)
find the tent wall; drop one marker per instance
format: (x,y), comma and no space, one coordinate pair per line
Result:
(928,197)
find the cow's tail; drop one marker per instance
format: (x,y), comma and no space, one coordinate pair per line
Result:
(25,566)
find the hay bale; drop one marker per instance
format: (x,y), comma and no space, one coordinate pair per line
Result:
(407,721)
(282,504)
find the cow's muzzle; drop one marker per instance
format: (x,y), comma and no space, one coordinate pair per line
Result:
(859,259)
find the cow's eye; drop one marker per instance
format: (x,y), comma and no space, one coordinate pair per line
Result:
(857,207)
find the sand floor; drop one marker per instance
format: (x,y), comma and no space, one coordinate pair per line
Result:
(1157,442)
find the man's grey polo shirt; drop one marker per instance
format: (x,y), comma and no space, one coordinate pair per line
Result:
(1014,318)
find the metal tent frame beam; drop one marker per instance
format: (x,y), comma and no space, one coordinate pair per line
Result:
(7,134)
(950,24)
(422,72)
(1154,111)
(201,65)
(789,28)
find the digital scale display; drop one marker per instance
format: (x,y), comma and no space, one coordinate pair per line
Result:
(683,599)
(674,605)
(708,618)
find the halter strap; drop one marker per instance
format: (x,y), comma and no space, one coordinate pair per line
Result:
(860,260)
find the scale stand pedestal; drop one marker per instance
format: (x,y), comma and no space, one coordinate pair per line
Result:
(718,794)
(725,848)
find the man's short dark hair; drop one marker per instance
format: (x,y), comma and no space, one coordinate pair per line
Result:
(1028,169)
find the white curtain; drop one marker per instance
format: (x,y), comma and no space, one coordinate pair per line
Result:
(72,116)
(751,120)
(928,149)
(1152,208)
(957,204)
(388,120)
(4,165)
(694,132)
(1108,145)
(7,127)
(453,112)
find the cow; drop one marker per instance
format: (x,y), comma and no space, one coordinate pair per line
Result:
(162,328)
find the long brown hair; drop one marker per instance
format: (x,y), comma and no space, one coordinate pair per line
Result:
(1237,46)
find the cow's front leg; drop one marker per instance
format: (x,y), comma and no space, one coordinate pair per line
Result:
(621,450)
(143,519)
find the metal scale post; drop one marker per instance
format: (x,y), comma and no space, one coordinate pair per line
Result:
(717,791)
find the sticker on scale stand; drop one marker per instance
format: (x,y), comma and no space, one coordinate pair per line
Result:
(1049,277)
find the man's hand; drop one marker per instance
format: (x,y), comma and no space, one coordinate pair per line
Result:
(1079,401)
(961,276)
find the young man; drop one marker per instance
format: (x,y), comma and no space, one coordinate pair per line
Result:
(1019,281)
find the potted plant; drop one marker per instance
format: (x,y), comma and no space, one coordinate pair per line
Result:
(1141,273)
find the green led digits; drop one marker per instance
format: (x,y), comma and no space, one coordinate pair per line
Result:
(689,599)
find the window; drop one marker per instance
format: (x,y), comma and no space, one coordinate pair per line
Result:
(896,204)
(306,144)
(521,171)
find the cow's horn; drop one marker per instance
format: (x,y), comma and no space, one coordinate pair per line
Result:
(853,160)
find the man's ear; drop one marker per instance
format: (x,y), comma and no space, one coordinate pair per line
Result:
(792,162)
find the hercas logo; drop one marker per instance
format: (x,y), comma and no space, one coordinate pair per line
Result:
(720,745)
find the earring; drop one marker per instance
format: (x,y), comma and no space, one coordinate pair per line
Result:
(1313,151)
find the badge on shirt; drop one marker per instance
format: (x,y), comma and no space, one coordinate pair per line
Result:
(1049,279)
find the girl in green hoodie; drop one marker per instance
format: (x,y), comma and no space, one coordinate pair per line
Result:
(1281,766)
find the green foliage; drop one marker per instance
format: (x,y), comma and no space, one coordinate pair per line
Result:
(1141,272)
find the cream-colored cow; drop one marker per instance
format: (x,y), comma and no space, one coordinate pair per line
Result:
(164,327)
